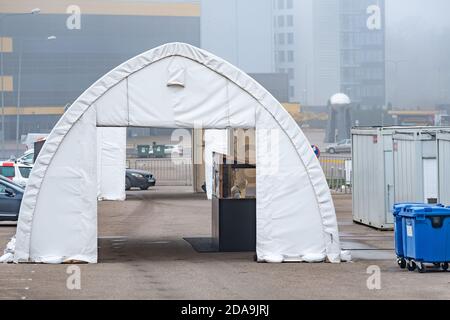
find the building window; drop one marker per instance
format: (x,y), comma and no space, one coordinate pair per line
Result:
(372,74)
(349,5)
(281,70)
(290,20)
(373,56)
(291,73)
(290,38)
(290,56)
(281,39)
(281,21)
(290,4)
(281,56)
(372,91)
(347,40)
(351,57)
(291,91)
(280,4)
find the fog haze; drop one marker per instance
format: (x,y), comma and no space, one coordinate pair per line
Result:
(418,51)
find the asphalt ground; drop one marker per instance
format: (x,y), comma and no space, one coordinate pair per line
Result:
(142,255)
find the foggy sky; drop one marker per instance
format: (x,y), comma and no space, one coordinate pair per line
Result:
(433,13)
(418,51)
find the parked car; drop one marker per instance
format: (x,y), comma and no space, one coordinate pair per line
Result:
(139,179)
(173,149)
(10,199)
(344,146)
(16,172)
(27,157)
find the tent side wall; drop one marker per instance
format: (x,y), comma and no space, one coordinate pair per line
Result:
(177,85)
(111,163)
(63,198)
(281,234)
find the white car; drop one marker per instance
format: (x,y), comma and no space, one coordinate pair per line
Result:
(16,172)
(27,157)
(173,149)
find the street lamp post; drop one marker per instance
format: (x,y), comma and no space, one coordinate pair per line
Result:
(19,92)
(19,84)
(2,17)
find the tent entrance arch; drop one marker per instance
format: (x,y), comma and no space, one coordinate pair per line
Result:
(177,86)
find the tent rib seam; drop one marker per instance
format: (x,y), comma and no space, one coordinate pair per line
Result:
(128,102)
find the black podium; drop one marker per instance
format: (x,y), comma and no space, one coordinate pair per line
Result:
(234,224)
(233,206)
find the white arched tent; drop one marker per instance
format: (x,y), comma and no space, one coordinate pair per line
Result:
(176,86)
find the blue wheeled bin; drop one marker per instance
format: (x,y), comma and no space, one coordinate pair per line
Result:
(398,229)
(426,237)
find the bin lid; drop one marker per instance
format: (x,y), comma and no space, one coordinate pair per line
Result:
(399,207)
(416,212)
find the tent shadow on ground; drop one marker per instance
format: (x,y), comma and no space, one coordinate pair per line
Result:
(155,249)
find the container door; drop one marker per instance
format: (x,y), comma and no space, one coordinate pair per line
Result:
(430,179)
(407,168)
(444,168)
(389,184)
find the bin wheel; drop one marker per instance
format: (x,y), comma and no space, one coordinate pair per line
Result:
(445,266)
(401,263)
(421,267)
(411,265)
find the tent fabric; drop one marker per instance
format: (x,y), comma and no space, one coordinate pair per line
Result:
(111,163)
(177,86)
(62,225)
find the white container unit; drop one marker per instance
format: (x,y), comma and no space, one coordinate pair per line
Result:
(415,166)
(373,177)
(443,144)
(392,165)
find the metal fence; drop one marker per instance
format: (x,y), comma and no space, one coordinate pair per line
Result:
(337,170)
(170,172)
(167,172)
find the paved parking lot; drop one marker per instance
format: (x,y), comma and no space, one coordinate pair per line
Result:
(142,255)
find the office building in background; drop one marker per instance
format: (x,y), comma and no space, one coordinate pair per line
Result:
(54,72)
(239,32)
(299,38)
(321,46)
(362,28)
(307,48)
